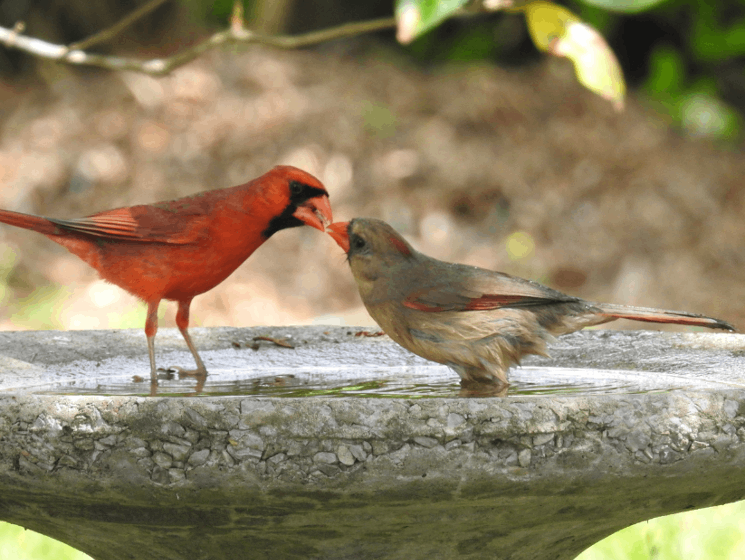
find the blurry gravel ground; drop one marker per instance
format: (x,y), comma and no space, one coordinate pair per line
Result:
(521,171)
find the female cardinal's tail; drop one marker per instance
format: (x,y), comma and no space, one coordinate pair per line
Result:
(26,221)
(661,316)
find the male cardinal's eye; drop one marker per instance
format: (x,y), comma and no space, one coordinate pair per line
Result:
(295,188)
(357,243)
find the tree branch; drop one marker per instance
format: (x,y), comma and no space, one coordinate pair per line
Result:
(13,39)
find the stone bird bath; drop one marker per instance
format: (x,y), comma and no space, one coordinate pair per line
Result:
(350,447)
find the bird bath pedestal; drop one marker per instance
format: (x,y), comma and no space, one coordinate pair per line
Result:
(350,447)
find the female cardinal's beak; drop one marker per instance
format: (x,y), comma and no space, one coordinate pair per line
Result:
(338,232)
(315,212)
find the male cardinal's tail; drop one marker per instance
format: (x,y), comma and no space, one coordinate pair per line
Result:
(26,221)
(661,316)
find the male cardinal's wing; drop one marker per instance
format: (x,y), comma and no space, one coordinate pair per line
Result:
(473,289)
(145,224)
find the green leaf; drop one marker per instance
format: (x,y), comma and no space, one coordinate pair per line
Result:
(630,6)
(415,17)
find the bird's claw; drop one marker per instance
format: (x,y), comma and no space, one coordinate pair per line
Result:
(185,372)
(165,373)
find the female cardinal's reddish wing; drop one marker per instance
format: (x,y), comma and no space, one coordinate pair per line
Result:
(443,301)
(468,288)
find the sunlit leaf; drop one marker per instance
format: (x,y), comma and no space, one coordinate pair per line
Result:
(415,17)
(547,22)
(558,31)
(595,64)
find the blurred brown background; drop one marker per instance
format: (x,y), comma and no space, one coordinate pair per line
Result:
(519,170)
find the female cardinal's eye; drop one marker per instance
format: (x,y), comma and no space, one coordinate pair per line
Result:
(295,187)
(357,243)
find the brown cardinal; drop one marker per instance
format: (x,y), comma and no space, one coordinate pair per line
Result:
(476,321)
(181,248)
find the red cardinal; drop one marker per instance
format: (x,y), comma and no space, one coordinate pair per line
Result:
(476,321)
(181,248)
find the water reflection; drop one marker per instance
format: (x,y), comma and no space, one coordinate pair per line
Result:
(409,382)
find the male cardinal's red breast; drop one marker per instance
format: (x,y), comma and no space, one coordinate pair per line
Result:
(181,248)
(476,321)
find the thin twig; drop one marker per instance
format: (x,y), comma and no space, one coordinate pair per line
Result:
(117,28)
(160,66)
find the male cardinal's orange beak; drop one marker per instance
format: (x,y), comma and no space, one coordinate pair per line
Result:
(338,232)
(315,212)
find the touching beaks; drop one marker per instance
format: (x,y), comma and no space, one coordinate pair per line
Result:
(315,212)
(338,232)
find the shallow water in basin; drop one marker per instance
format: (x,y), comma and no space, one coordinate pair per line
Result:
(373,382)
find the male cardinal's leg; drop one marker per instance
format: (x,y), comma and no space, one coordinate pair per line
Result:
(151,327)
(182,321)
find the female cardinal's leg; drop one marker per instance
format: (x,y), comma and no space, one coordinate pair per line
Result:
(182,321)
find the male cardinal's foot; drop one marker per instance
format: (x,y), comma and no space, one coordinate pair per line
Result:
(198,372)
(164,374)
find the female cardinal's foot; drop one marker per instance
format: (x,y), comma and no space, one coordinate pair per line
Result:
(476,389)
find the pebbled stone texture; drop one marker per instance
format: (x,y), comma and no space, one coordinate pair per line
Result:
(322,477)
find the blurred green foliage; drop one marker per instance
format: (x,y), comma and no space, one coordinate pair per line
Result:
(8,260)
(41,309)
(685,56)
(135,317)
(692,104)
(378,120)
(20,544)
(693,52)
(706,534)
(221,9)
(713,37)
